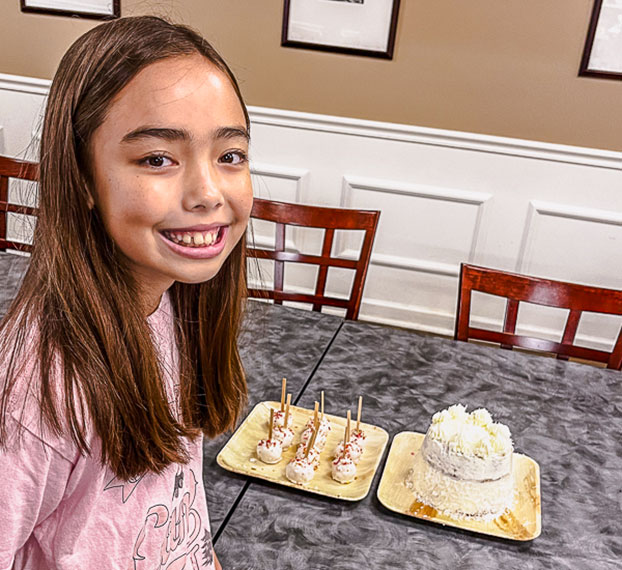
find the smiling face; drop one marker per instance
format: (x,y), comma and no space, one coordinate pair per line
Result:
(170,173)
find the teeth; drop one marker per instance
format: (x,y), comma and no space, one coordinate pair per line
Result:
(193,239)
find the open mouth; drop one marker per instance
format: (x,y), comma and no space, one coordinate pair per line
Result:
(195,239)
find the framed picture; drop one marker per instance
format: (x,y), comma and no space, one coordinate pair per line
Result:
(602,56)
(94,9)
(356,27)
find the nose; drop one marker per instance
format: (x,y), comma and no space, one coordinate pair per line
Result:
(202,189)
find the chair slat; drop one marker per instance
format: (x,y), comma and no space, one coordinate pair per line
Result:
(540,345)
(18,246)
(572,323)
(547,292)
(279,268)
(327,247)
(329,219)
(298,297)
(4,198)
(615,361)
(14,168)
(294,257)
(511,314)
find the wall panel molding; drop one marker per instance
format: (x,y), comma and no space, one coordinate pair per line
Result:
(538,208)
(451,195)
(300,177)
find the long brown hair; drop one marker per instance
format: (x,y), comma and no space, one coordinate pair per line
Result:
(80,298)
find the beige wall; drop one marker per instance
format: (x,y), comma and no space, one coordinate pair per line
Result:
(501,67)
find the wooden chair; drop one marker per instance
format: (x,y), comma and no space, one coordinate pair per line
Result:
(520,288)
(329,219)
(13,168)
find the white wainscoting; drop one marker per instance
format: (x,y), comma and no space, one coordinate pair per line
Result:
(446,197)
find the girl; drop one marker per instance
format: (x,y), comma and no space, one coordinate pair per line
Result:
(120,351)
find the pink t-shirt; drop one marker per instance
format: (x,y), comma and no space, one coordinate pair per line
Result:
(62,510)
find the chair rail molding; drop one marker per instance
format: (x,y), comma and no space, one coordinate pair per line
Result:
(392,131)
(23,84)
(436,137)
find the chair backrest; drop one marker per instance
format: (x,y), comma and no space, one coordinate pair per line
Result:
(13,168)
(521,288)
(329,219)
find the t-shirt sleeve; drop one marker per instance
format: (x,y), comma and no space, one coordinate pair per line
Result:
(33,478)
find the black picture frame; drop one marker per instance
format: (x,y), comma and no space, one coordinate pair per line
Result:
(29,6)
(585,69)
(385,53)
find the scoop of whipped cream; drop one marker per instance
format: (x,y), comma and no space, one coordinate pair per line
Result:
(472,433)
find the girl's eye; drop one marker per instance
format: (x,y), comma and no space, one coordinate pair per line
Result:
(157,161)
(233,157)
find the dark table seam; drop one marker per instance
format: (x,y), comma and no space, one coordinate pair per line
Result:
(241,494)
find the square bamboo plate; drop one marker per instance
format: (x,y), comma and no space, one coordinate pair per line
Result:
(239,454)
(523,522)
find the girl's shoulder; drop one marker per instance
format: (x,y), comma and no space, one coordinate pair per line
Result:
(21,388)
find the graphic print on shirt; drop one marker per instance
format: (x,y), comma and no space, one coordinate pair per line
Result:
(127,487)
(185,544)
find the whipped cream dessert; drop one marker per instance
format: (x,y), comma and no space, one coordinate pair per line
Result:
(464,467)
(313,456)
(279,419)
(269,450)
(283,434)
(299,471)
(359,437)
(352,449)
(322,434)
(344,469)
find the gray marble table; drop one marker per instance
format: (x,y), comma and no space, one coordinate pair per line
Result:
(276,342)
(566,416)
(12,269)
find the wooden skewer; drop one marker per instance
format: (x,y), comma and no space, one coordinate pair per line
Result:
(315,410)
(289,400)
(270,426)
(322,403)
(347,428)
(310,444)
(358,415)
(283,388)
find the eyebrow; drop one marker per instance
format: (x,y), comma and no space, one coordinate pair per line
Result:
(232,133)
(172,134)
(167,134)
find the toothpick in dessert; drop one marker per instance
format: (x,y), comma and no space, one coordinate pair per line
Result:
(285,434)
(301,469)
(270,450)
(279,416)
(358,436)
(350,446)
(344,467)
(322,423)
